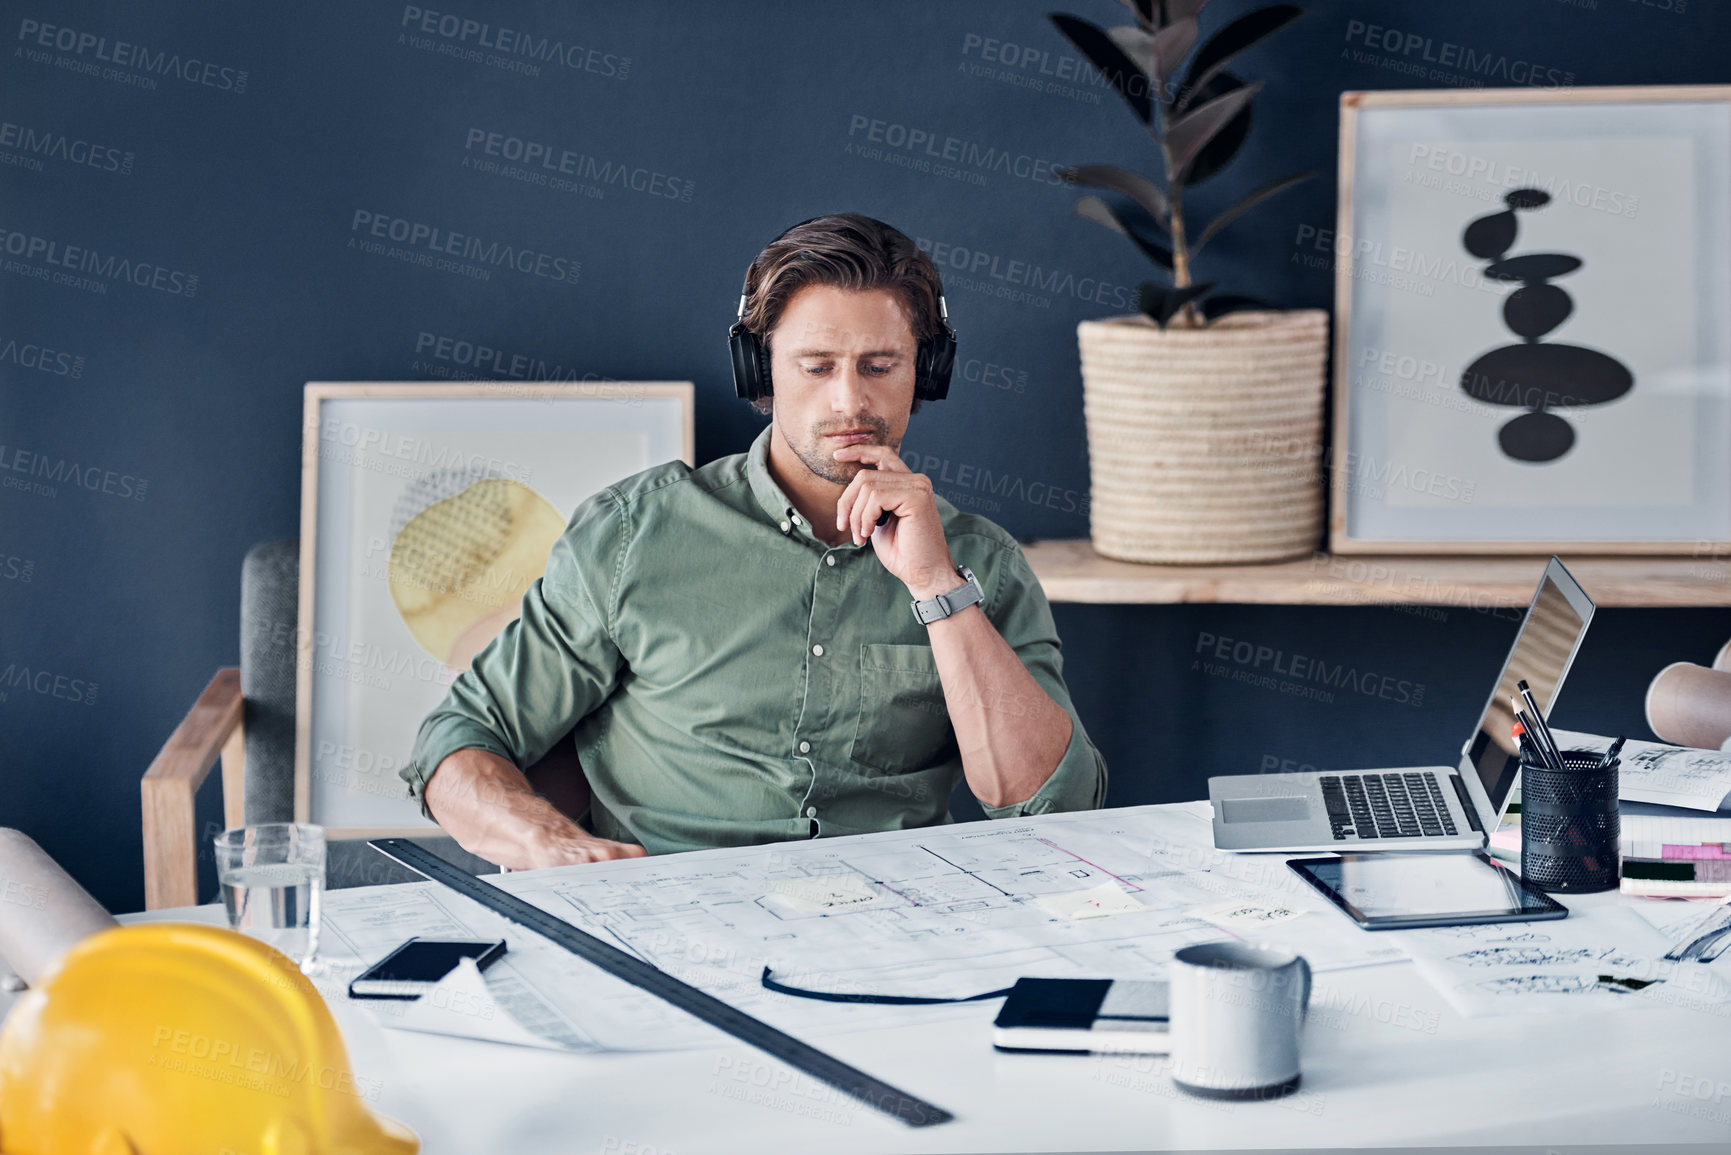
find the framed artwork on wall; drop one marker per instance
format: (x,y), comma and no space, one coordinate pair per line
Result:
(427,511)
(1533,322)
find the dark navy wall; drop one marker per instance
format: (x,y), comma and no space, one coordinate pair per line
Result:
(232,159)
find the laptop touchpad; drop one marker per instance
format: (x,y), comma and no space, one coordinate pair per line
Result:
(1264,809)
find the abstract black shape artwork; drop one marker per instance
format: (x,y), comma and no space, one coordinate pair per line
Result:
(1535,375)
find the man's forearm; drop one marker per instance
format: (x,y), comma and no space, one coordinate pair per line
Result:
(489,807)
(1011,733)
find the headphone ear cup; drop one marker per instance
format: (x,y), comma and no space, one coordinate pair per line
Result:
(937,358)
(750,372)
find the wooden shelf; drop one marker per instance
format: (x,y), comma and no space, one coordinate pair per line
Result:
(1071,571)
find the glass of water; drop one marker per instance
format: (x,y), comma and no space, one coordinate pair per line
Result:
(272,877)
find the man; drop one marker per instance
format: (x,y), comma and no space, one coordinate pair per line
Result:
(736,643)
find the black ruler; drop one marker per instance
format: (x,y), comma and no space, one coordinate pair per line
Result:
(800,1056)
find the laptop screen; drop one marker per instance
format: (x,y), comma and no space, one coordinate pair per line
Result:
(1550,635)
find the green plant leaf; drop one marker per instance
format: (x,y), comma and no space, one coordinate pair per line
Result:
(1097,210)
(1219,152)
(1132,184)
(1249,29)
(1136,43)
(1250,201)
(1171,45)
(1118,69)
(1158,54)
(1162,302)
(1186,135)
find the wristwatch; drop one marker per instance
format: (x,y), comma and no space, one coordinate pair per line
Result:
(936,609)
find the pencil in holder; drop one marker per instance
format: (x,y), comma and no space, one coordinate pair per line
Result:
(1569,825)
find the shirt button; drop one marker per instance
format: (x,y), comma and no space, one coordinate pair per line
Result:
(818,650)
(805,747)
(829,559)
(811,812)
(785,527)
(795,519)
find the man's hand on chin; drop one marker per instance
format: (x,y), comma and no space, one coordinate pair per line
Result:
(912,545)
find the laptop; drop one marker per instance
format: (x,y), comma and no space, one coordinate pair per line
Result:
(1416,807)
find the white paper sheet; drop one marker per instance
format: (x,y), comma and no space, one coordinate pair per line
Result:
(1667,775)
(460,1004)
(1599,958)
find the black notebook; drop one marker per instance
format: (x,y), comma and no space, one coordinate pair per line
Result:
(1082,1015)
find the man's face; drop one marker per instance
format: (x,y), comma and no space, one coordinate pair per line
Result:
(841,362)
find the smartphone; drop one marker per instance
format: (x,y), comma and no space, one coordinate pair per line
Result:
(416,967)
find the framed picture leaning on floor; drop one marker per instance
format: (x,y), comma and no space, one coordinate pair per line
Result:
(1533,312)
(427,511)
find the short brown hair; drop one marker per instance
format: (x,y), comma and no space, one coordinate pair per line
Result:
(848,251)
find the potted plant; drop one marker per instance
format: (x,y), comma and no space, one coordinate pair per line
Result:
(1203,411)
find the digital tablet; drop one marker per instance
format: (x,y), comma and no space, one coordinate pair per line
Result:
(1391,890)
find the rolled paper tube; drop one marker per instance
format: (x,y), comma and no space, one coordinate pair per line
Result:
(43,911)
(1690,705)
(1722,660)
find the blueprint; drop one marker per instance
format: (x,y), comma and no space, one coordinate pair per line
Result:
(941,911)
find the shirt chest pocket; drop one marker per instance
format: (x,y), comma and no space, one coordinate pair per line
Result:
(904,724)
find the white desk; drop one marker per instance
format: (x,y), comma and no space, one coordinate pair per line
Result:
(1386,1062)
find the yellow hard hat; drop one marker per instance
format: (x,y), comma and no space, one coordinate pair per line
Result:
(182,1039)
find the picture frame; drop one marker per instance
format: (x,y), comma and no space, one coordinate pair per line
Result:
(427,509)
(1593,413)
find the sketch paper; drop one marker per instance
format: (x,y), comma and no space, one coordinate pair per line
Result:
(1656,772)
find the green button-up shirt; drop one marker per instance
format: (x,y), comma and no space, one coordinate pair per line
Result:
(735,680)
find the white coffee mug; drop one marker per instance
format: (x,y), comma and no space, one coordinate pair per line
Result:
(1236,1014)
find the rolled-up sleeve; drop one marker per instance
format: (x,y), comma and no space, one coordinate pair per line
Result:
(1019,611)
(547,669)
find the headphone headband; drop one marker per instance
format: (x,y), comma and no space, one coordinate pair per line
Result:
(934,358)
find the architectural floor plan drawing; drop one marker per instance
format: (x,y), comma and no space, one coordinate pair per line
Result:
(943,911)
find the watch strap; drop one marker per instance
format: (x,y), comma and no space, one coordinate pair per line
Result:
(943,605)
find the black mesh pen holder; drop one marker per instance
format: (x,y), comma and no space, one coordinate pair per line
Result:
(1569,825)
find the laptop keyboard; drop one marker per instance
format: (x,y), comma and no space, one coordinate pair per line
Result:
(1395,805)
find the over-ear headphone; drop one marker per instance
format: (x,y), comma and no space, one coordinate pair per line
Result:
(933,359)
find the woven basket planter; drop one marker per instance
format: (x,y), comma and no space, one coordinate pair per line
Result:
(1205,444)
